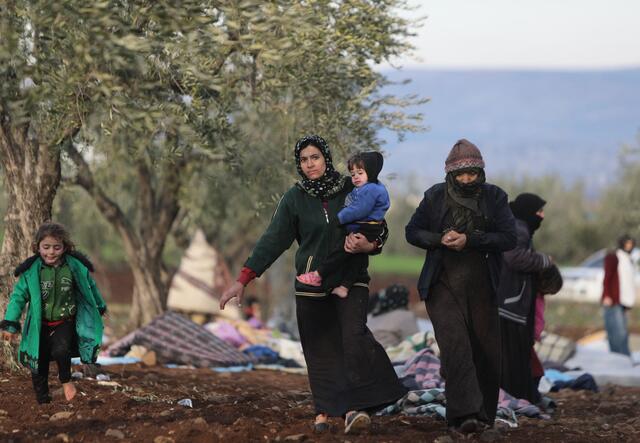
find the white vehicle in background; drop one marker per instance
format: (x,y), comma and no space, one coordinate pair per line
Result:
(584,283)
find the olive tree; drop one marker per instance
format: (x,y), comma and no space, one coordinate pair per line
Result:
(152,104)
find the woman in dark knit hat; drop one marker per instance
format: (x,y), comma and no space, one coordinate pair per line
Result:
(464,224)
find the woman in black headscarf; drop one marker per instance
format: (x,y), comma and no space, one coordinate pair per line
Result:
(517,295)
(464,224)
(349,372)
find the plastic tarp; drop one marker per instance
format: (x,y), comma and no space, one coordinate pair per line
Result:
(606,367)
(175,339)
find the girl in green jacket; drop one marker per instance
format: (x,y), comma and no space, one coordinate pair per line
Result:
(64,314)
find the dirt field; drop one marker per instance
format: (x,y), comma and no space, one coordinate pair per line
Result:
(261,406)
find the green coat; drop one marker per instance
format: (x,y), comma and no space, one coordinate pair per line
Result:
(90,306)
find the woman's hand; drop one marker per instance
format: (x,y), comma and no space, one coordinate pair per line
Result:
(454,240)
(235,290)
(607,301)
(356,243)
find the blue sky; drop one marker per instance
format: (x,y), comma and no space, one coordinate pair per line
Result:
(526,34)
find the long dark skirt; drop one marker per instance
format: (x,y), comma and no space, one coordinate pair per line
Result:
(348,369)
(517,377)
(467,330)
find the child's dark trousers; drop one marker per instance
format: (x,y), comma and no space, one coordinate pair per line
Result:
(55,345)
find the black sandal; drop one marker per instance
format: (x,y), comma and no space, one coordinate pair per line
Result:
(321,424)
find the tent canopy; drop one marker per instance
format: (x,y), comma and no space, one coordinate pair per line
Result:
(200,280)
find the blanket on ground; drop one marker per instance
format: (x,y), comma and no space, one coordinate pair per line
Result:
(421,375)
(175,339)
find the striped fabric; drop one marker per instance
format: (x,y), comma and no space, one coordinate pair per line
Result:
(176,339)
(421,375)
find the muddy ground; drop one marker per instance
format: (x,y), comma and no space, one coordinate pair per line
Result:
(263,406)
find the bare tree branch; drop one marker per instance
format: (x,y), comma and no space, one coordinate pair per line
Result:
(107,207)
(167,205)
(197,154)
(179,229)
(146,196)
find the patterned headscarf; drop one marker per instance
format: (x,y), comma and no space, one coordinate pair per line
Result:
(331,181)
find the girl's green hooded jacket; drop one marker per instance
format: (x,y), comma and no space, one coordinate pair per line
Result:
(90,307)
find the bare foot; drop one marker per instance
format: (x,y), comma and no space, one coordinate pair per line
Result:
(341,291)
(69,390)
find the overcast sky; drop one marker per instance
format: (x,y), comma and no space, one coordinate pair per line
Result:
(527,34)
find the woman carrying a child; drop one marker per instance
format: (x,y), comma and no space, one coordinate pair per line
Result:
(349,372)
(363,212)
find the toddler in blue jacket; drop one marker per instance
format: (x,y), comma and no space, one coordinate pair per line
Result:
(363,212)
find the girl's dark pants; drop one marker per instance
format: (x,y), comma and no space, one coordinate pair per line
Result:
(348,369)
(55,344)
(467,330)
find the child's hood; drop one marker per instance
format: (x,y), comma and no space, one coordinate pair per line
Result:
(75,254)
(373,162)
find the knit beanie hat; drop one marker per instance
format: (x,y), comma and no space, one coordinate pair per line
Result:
(463,155)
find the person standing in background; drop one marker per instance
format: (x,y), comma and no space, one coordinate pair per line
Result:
(619,294)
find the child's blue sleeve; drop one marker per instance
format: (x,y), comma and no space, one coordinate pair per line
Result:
(361,208)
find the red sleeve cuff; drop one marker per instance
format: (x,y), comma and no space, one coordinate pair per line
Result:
(246,275)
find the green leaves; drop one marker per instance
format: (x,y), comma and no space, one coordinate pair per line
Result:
(237,80)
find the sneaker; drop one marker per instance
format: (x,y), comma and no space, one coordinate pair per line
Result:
(310,278)
(356,421)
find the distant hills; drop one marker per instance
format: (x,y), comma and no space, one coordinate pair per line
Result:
(525,122)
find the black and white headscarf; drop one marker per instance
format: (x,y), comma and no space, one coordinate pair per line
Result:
(331,181)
